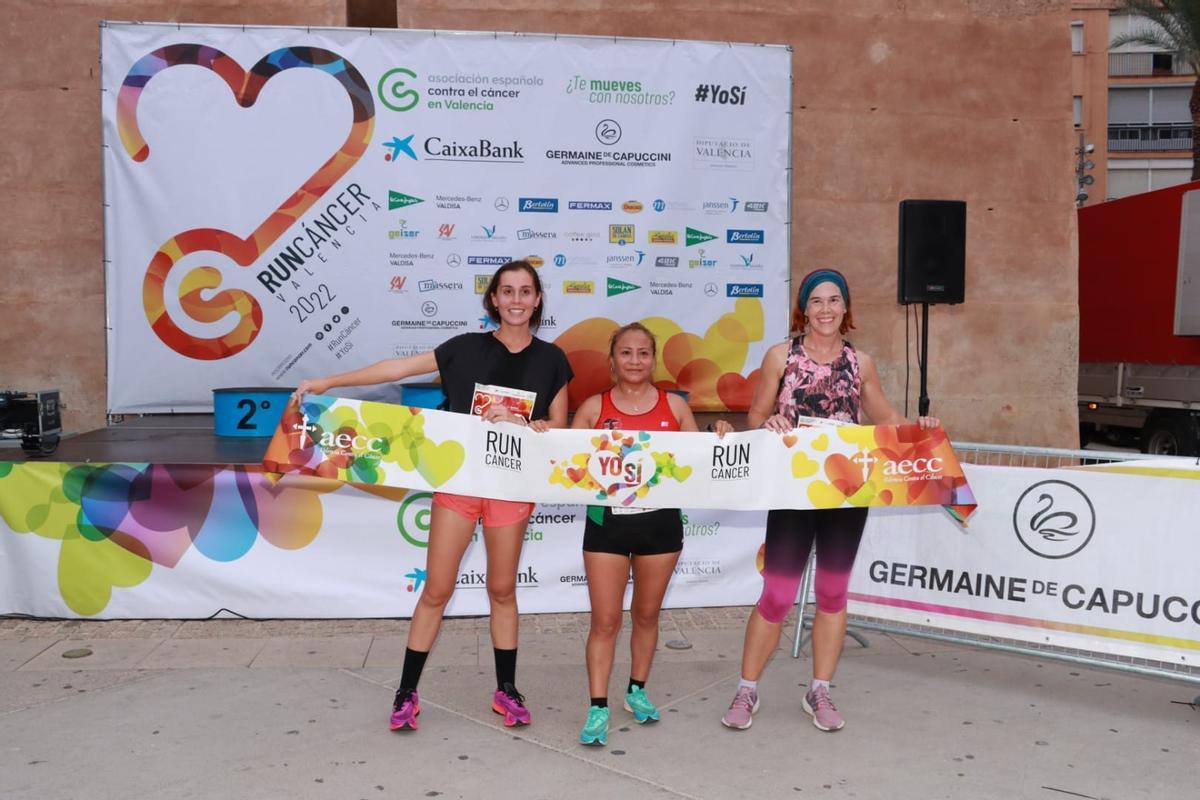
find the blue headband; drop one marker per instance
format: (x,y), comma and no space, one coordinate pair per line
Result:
(819,276)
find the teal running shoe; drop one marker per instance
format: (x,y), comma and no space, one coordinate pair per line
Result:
(595,730)
(637,702)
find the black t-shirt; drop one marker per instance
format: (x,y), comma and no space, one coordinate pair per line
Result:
(472,358)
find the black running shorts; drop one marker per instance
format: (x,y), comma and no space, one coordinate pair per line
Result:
(650,533)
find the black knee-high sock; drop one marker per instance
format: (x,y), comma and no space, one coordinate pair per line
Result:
(414,662)
(506,667)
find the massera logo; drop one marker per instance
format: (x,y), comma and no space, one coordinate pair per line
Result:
(198,295)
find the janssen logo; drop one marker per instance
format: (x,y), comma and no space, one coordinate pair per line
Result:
(743,290)
(633,259)
(543,205)
(738,236)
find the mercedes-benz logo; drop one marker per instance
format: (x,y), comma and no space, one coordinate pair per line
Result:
(429,308)
(710,290)
(608,132)
(501,204)
(1054,519)
(453,260)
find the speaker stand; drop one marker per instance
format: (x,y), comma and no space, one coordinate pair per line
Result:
(923,362)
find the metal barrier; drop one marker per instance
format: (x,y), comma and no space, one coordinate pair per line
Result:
(1006,456)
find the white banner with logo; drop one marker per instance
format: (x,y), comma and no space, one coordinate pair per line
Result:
(283,203)
(1077,558)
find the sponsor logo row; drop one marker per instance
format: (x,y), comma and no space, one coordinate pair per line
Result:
(402,284)
(553,205)
(721,153)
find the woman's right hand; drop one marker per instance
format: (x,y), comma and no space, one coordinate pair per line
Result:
(310,385)
(778,423)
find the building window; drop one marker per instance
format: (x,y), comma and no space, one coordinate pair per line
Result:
(1077,37)
(1077,106)
(1162,63)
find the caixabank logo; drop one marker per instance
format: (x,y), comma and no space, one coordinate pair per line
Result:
(200,296)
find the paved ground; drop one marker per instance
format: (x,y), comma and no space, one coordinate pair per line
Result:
(298,709)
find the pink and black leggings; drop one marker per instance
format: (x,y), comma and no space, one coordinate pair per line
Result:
(790,535)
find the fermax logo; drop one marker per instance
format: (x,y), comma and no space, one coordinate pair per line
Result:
(695,236)
(616,286)
(1054,519)
(545,205)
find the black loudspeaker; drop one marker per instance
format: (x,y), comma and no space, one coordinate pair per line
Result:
(933,247)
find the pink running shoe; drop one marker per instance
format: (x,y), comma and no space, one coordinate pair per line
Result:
(822,710)
(405,710)
(509,702)
(741,711)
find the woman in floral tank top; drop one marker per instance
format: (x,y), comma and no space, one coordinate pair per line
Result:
(816,374)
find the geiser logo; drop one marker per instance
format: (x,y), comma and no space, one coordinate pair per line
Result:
(743,290)
(197,296)
(1054,519)
(702,261)
(544,205)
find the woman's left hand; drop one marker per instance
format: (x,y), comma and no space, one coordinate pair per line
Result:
(540,425)
(926,423)
(498,412)
(720,428)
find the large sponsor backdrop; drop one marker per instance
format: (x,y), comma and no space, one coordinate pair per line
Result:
(284,203)
(1071,558)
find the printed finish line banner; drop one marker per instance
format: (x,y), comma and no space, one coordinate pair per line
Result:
(283,203)
(1077,558)
(810,468)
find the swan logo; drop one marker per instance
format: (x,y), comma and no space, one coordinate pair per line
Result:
(1054,519)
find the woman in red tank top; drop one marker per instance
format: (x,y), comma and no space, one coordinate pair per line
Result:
(648,541)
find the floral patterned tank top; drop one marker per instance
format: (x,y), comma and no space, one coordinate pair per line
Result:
(827,391)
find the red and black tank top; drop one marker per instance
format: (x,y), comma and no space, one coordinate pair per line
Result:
(659,418)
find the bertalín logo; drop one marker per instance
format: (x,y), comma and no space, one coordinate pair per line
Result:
(695,236)
(400,200)
(617,286)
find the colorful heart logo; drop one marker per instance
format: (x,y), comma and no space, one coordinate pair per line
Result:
(438,463)
(621,477)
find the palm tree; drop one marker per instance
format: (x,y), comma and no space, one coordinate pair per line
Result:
(1175,27)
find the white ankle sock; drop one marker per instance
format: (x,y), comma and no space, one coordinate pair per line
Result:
(751,685)
(816,684)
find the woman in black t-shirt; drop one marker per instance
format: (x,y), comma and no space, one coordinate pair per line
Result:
(509,358)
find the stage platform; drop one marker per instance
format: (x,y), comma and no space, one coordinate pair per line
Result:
(157,438)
